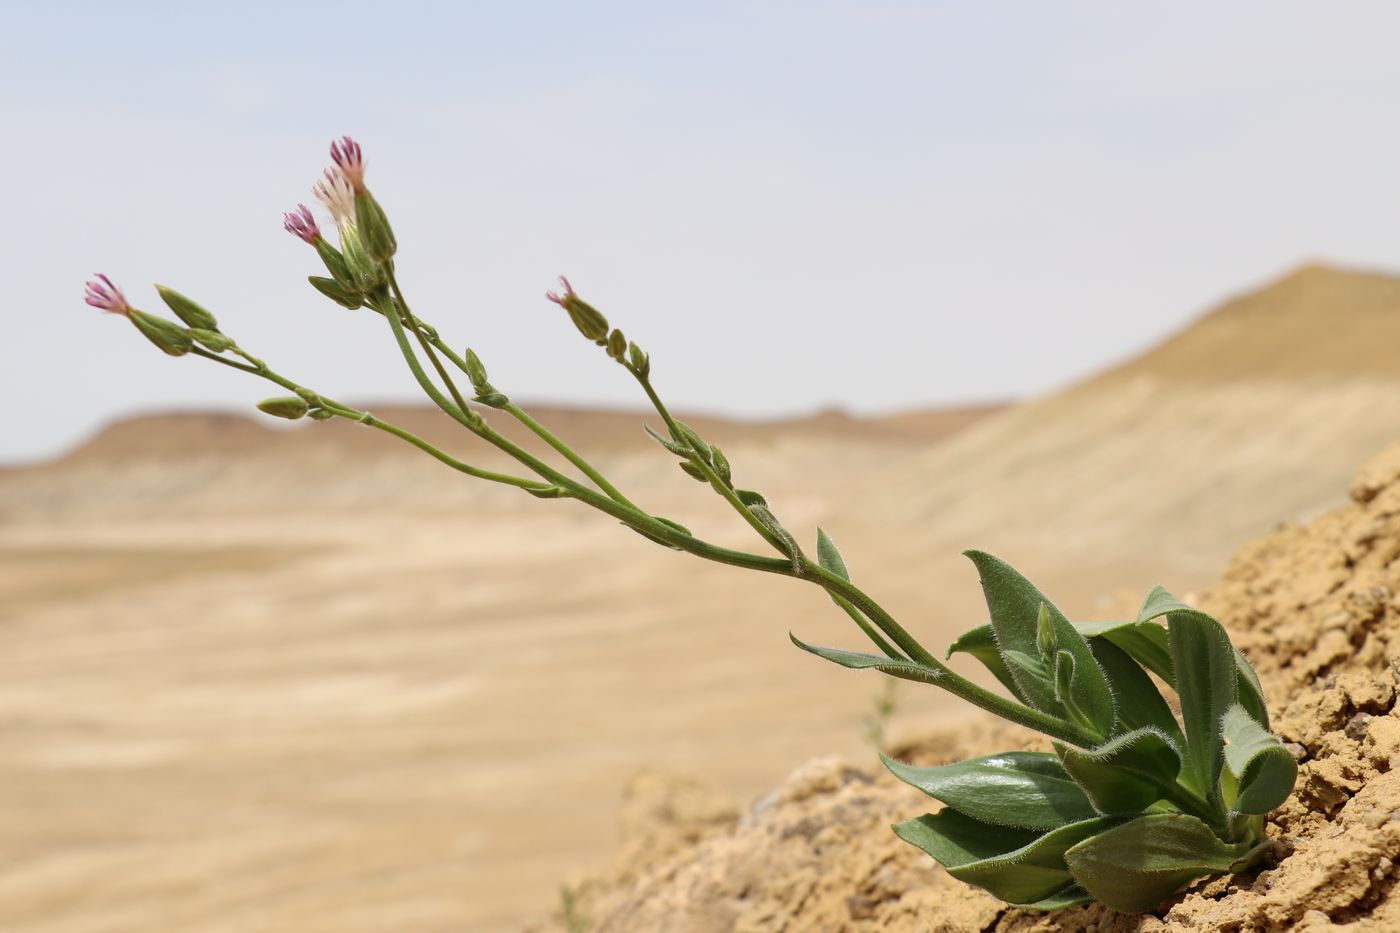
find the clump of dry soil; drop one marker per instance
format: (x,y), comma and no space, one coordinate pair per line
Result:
(1317,609)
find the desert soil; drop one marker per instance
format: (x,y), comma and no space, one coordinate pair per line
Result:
(1317,609)
(258,680)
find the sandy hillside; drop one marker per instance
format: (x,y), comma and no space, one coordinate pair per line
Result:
(1316,607)
(257,680)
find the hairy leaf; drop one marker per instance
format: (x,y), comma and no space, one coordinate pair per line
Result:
(1136,698)
(1133,867)
(1144,641)
(1263,769)
(1030,790)
(1014,605)
(857,660)
(981,643)
(1016,866)
(829,557)
(1126,774)
(1206,681)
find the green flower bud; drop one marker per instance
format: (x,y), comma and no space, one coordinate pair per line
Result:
(335,263)
(212,339)
(374,228)
(186,310)
(588,319)
(335,291)
(641,362)
(493,399)
(320,414)
(169,336)
(285,406)
(617,345)
(477,372)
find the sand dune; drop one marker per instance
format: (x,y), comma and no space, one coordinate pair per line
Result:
(257,679)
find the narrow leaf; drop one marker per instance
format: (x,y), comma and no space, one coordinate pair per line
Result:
(1072,896)
(1135,697)
(1135,866)
(1206,681)
(1029,790)
(1126,774)
(1251,691)
(856,660)
(679,450)
(1263,768)
(1013,605)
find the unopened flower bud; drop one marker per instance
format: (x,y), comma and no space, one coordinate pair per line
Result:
(284,406)
(186,310)
(101,293)
(492,399)
(588,319)
(211,339)
(320,414)
(169,336)
(641,362)
(617,345)
(335,291)
(374,227)
(476,371)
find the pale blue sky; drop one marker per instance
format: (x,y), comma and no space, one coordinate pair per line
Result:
(875,205)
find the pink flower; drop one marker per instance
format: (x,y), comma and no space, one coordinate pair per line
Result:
(101,293)
(568,292)
(334,191)
(346,155)
(300,223)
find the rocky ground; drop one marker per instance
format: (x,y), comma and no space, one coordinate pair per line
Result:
(1317,609)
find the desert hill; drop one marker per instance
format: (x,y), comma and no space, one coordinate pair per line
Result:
(1156,469)
(261,679)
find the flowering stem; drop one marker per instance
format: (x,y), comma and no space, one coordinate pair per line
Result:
(568,453)
(342,410)
(710,475)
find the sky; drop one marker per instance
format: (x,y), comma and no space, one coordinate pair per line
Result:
(792,206)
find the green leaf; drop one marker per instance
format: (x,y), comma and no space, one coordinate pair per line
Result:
(857,660)
(1013,605)
(982,645)
(1144,641)
(1072,896)
(1017,866)
(1251,691)
(1029,790)
(1136,698)
(1126,774)
(1135,866)
(680,450)
(1085,692)
(1206,682)
(1262,767)
(829,557)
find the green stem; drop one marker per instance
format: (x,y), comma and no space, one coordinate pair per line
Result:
(569,454)
(348,412)
(721,487)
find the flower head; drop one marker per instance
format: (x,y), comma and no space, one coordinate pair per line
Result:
(568,293)
(346,155)
(101,293)
(300,223)
(335,192)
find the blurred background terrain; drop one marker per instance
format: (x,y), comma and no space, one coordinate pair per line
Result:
(308,679)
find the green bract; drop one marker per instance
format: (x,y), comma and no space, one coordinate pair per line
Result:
(1144,803)
(1132,803)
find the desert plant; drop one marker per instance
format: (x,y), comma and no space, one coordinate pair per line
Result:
(1131,804)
